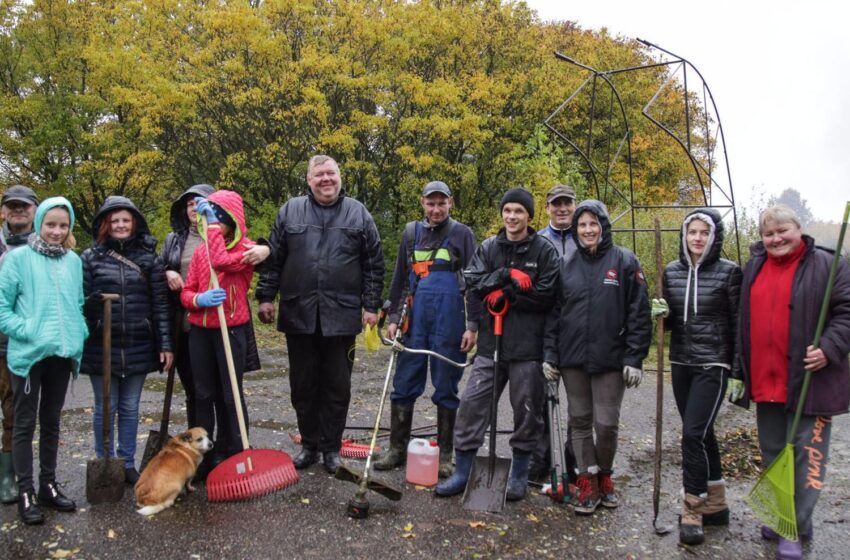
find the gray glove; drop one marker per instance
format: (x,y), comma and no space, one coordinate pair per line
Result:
(632,376)
(660,308)
(551,372)
(736,390)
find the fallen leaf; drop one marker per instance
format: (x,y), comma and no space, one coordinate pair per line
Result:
(63,553)
(409,527)
(305,500)
(110,534)
(408,536)
(59,529)
(418,487)
(533,518)
(477,524)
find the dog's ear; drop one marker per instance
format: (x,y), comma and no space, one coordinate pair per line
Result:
(186,436)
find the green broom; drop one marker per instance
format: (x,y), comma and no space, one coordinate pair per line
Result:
(772,497)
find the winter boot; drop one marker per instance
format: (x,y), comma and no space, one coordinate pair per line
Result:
(518,481)
(690,522)
(8,488)
(401,417)
(456,483)
(445,439)
(586,498)
(607,493)
(716,511)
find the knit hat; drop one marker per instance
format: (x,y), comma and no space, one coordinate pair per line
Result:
(520,196)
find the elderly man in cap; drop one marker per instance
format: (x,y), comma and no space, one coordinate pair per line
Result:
(18,211)
(515,267)
(428,276)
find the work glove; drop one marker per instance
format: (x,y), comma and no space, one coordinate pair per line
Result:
(551,372)
(211,298)
(632,376)
(203,207)
(736,390)
(521,279)
(495,299)
(660,308)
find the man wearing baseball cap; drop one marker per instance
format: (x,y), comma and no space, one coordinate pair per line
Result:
(517,268)
(560,205)
(17,208)
(432,253)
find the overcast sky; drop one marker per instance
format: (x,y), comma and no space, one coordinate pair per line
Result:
(780,75)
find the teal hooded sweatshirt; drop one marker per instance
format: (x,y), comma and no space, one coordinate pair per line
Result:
(41,302)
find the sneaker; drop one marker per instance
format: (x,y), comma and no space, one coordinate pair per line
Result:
(586,498)
(607,493)
(789,550)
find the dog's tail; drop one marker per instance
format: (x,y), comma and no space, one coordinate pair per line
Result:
(150,510)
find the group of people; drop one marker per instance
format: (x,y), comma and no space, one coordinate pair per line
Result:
(575,308)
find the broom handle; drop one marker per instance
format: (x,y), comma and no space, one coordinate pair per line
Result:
(824,309)
(228,354)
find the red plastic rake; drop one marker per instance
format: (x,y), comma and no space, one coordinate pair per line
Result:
(348,448)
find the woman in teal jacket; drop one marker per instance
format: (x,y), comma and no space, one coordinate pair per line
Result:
(41,311)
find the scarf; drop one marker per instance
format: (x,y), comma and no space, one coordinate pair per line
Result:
(39,245)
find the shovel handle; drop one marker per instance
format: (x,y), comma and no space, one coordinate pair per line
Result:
(106,425)
(498,315)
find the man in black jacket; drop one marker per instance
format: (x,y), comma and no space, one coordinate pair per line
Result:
(518,268)
(329,269)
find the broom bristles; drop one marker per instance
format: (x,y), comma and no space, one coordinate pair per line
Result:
(772,497)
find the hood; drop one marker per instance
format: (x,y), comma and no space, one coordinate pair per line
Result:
(231,202)
(47,205)
(142,233)
(598,209)
(715,237)
(179,221)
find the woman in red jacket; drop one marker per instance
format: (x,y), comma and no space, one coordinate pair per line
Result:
(782,291)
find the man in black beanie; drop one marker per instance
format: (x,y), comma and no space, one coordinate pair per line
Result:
(518,268)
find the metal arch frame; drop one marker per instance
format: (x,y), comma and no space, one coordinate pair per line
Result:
(699,168)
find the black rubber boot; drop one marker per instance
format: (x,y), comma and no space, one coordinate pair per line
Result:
(445,439)
(401,418)
(518,481)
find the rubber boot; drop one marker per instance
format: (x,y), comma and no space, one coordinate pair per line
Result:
(716,511)
(456,483)
(445,439)
(8,487)
(401,417)
(690,522)
(518,481)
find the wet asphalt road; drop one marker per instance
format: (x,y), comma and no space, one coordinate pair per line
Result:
(308,519)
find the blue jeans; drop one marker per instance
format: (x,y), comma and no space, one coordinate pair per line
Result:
(125,393)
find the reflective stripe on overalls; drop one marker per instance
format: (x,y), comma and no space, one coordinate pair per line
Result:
(437,323)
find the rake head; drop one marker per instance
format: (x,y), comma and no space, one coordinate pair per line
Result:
(348,448)
(250,474)
(772,497)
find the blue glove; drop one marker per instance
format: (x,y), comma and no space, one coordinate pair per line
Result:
(202,206)
(211,298)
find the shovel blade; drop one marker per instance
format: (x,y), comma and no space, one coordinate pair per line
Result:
(386,489)
(155,443)
(104,481)
(486,488)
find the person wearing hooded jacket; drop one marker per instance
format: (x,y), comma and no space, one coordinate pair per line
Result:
(41,311)
(123,260)
(597,335)
(700,306)
(224,250)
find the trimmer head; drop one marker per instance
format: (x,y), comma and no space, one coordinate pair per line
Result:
(344,472)
(358,508)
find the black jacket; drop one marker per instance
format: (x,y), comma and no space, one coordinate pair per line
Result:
(489,270)
(703,299)
(140,318)
(172,249)
(600,321)
(327,264)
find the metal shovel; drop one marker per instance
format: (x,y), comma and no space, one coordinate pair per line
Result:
(488,482)
(157,439)
(105,477)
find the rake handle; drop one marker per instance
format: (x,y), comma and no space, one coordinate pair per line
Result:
(659,387)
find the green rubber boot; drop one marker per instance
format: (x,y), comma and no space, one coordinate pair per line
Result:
(8,488)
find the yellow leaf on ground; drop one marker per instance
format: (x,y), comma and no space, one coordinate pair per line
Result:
(305,500)
(533,518)
(63,553)
(477,524)
(408,536)
(408,528)
(110,534)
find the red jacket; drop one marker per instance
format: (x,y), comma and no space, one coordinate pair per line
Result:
(233,276)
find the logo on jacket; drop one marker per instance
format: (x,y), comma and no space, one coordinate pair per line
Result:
(641,279)
(611,278)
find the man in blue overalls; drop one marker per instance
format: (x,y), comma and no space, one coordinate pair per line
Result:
(432,253)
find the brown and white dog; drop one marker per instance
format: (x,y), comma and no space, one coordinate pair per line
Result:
(171,470)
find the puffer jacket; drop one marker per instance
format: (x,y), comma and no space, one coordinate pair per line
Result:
(600,321)
(141,317)
(829,392)
(234,277)
(8,242)
(328,264)
(41,302)
(172,249)
(523,323)
(703,299)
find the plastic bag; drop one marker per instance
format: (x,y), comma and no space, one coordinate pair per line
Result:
(373,340)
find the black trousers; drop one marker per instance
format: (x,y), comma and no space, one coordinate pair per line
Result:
(212,385)
(699,393)
(40,395)
(320,380)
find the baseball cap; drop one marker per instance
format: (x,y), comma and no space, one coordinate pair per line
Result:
(560,191)
(436,187)
(20,193)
